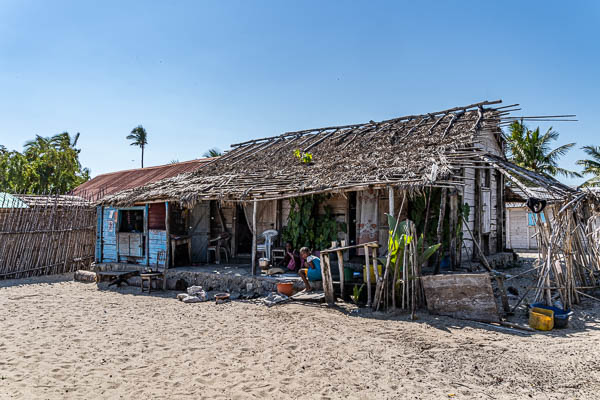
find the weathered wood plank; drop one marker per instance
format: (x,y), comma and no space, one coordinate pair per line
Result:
(463,296)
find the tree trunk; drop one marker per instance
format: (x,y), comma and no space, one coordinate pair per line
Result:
(142,156)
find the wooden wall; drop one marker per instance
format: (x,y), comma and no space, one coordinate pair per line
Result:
(472,195)
(109,235)
(106,239)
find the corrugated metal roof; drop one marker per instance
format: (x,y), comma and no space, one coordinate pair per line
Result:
(7,200)
(114,182)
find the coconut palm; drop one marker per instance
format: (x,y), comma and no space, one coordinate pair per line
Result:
(531,150)
(140,139)
(214,152)
(591,166)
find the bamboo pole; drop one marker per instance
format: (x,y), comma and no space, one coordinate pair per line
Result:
(253,266)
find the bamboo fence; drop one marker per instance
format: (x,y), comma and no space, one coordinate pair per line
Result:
(569,251)
(45,234)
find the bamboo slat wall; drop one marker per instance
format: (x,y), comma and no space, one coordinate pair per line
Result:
(53,235)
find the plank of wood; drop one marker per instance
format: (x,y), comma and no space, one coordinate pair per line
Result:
(340,257)
(463,296)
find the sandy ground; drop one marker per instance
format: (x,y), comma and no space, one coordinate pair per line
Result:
(64,339)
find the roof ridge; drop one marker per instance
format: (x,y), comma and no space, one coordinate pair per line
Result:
(204,159)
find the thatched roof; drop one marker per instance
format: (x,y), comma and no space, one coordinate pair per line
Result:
(410,151)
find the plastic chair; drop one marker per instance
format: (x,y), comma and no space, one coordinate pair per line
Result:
(221,244)
(269,237)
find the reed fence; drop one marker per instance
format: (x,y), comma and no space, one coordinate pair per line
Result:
(45,234)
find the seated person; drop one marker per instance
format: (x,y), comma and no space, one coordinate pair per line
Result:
(313,272)
(291,259)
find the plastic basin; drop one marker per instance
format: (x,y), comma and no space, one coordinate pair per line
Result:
(285,288)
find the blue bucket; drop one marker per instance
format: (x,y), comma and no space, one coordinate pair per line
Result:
(561,317)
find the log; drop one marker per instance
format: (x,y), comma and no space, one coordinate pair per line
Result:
(84,276)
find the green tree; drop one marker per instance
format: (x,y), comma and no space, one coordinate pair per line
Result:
(140,139)
(47,164)
(214,152)
(531,150)
(591,166)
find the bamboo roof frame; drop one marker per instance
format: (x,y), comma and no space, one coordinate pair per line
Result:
(410,152)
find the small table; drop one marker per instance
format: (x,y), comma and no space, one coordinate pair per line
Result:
(176,241)
(117,277)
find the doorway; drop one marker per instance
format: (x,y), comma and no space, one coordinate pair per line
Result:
(243,235)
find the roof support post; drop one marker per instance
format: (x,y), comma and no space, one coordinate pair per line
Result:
(254,237)
(391,199)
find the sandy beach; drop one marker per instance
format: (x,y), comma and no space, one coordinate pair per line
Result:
(65,339)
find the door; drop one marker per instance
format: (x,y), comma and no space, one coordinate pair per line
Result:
(199,230)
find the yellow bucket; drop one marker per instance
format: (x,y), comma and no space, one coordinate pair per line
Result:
(372,270)
(541,319)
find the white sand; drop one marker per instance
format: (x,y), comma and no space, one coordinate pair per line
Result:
(63,339)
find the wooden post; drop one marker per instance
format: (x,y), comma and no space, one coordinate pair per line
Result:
(440,230)
(368,272)
(476,235)
(147,233)
(254,238)
(500,210)
(327,280)
(453,226)
(340,257)
(101,234)
(168,232)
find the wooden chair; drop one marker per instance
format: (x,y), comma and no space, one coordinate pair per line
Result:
(161,257)
(221,244)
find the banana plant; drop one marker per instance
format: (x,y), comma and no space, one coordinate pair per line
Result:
(398,242)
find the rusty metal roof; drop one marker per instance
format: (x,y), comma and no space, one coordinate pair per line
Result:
(114,182)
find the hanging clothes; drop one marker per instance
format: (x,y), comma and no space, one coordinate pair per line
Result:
(368,211)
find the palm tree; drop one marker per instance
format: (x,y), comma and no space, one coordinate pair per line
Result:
(140,139)
(39,145)
(591,166)
(531,150)
(214,152)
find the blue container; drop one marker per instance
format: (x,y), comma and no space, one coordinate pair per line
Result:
(561,317)
(445,263)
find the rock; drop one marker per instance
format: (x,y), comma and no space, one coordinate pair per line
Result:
(182,296)
(191,299)
(234,295)
(193,290)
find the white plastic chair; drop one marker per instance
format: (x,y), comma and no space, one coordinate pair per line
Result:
(269,237)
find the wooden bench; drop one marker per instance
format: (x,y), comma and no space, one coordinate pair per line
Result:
(115,277)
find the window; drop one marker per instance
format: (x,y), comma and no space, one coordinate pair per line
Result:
(532,218)
(131,221)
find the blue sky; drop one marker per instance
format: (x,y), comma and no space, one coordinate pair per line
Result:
(207,74)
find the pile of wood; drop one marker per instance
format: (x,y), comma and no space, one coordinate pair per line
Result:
(569,263)
(45,236)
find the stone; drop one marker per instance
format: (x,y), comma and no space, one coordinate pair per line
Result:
(194,290)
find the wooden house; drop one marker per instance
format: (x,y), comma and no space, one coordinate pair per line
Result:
(446,169)
(137,233)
